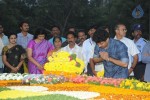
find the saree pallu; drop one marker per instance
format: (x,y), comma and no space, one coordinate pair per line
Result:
(13,55)
(39,53)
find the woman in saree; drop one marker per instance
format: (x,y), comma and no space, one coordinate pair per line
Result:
(37,51)
(57,41)
(13,56)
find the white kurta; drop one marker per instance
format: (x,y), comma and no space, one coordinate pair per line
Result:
(76,50)
(88,52)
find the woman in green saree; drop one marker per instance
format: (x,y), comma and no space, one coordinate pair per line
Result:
(13,56)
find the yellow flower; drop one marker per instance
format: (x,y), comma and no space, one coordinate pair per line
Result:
(61,62)
(139,85)
(128,82)
(18,93)
(132,86)
(100,73)
(148,87)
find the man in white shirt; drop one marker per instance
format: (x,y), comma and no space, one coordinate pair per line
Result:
(88,52)
(3,42)
(120,30)
(72,47)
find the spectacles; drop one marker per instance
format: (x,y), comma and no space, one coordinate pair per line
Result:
(124,30)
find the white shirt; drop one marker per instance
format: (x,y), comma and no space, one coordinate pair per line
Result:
(3,42)
(76,50)
(1,46)
(88,49)
(88,52)
(132,50)
(140,44)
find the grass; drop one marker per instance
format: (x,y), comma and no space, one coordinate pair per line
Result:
(4,88)
(47,97)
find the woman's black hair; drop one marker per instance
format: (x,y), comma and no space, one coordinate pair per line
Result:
(39,31)
(10,34)
(57,37)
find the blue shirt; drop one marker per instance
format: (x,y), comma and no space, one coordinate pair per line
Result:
(146,59)
(116,50)
(140,43)
(24,40)
(51,40)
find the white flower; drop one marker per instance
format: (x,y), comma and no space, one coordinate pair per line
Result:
(19,78)
(29,88)
(77,94)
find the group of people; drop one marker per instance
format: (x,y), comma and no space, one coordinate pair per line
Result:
(120,57)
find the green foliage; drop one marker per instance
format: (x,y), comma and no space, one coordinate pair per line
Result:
(73,56)
(78,13)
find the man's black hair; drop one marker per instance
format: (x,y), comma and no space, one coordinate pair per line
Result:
(100,36)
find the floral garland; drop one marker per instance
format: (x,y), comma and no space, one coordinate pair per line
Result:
(12,76)
(96,80)
(8,79)
(12,79)
(126,88)
(135,84)
(106,92)
(42,79)
(64,62)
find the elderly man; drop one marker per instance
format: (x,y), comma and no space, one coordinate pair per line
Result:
(120,30)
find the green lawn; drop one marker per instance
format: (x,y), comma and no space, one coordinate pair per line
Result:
(3,89)
(47,97)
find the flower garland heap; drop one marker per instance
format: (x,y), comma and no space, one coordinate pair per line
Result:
(8,79)
(135,84)
(63,62)
(43,79)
